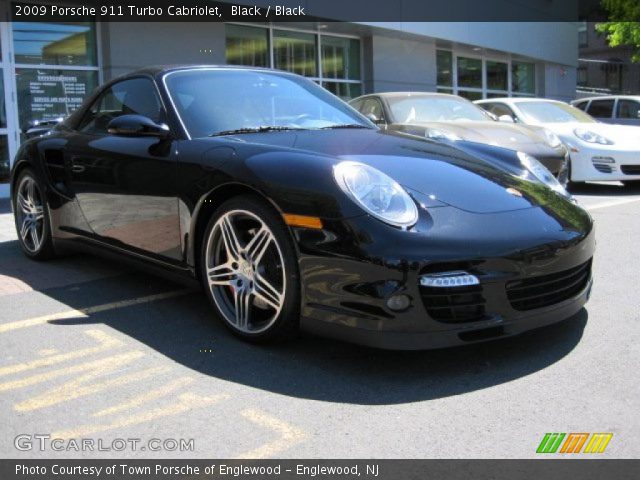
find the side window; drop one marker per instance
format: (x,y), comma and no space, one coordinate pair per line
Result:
(601,108)
(628,109)
(581,105)
(136,96)
(357,104)
(499,109)
(372,106)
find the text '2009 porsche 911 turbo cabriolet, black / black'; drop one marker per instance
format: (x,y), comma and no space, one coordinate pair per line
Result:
(294,211)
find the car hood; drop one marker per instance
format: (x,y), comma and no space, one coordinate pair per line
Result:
(493,133)
(472,177)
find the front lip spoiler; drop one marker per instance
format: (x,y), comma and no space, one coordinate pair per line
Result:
(458,335)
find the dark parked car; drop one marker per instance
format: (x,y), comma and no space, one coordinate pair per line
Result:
(293,210)
(450,118)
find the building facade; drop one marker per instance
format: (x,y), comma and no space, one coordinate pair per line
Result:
(604,70)
(47,69)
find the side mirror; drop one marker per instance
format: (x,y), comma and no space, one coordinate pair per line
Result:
(35,128)
(506,119)
(137,126)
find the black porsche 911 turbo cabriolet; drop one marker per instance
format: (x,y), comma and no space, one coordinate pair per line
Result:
(294,211)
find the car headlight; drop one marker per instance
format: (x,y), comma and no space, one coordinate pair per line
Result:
(541,173)
(435,134)
(591,137)
(552,139)
(377,193)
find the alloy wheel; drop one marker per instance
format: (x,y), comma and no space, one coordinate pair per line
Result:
(245,271)
(30,214)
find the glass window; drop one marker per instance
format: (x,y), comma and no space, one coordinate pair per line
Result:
(444,65)
(581,105)
(340,58)
(49,94)
(470,95)
(499,109)
(214,101)
(247,46)
(430,108)
(601,108)
(469,72)
(497,75)
(582,76)
(55,43)
(372,106)
(523,77)
(4,159)
(295,52)
(130,97)
(628,109)
(345,91)
(553,112)
(583,39)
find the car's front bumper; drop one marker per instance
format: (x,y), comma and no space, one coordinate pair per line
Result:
(602,164)
(346,284)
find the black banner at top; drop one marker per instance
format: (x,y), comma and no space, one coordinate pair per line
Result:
(308,10)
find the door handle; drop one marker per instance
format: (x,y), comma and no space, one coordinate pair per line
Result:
(75,168)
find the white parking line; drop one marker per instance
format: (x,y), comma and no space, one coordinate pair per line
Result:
(612,203)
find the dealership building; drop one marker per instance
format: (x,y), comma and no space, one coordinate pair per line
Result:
(47,69)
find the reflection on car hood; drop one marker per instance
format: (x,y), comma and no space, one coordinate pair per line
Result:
(459,177)
(493,133)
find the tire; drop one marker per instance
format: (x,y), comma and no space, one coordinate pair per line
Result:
(249,270)
(31,217)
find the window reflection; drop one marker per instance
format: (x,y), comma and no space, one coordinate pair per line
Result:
(340,58)
(4,159)
(295,52)
(54,43)
(247,46)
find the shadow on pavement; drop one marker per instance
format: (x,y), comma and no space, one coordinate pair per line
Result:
(307,367)
(321,369)
(604,189)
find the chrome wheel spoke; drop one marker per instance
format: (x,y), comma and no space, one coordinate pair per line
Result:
(24,204)
(259,245)
(230,238)
(264,290)
(31,195)
(241,301)
(38,213)
(25,229)
(33,230)
(221,275)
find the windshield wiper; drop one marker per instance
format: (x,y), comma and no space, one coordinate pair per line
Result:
(344,125)
(263,128)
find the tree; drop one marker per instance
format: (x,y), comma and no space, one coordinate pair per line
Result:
(624,25)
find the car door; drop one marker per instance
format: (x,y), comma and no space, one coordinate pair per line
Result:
(628,112)
(126,185)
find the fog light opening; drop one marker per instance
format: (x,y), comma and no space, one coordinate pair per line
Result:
(398,303)
(449,279)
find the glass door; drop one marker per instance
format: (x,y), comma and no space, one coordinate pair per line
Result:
(8,128)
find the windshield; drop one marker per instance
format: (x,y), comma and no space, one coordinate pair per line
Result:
(218,101)
(552,112)
(434,109)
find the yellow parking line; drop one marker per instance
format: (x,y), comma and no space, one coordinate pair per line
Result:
(84,312)
(186,401)
(105,342)
(146,397)
(289,435)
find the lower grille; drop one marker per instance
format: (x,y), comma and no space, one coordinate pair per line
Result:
(630,169)
(603,167)
(545,290)
(454,305)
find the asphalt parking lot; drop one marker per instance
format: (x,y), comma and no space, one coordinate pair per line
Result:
(91,349)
